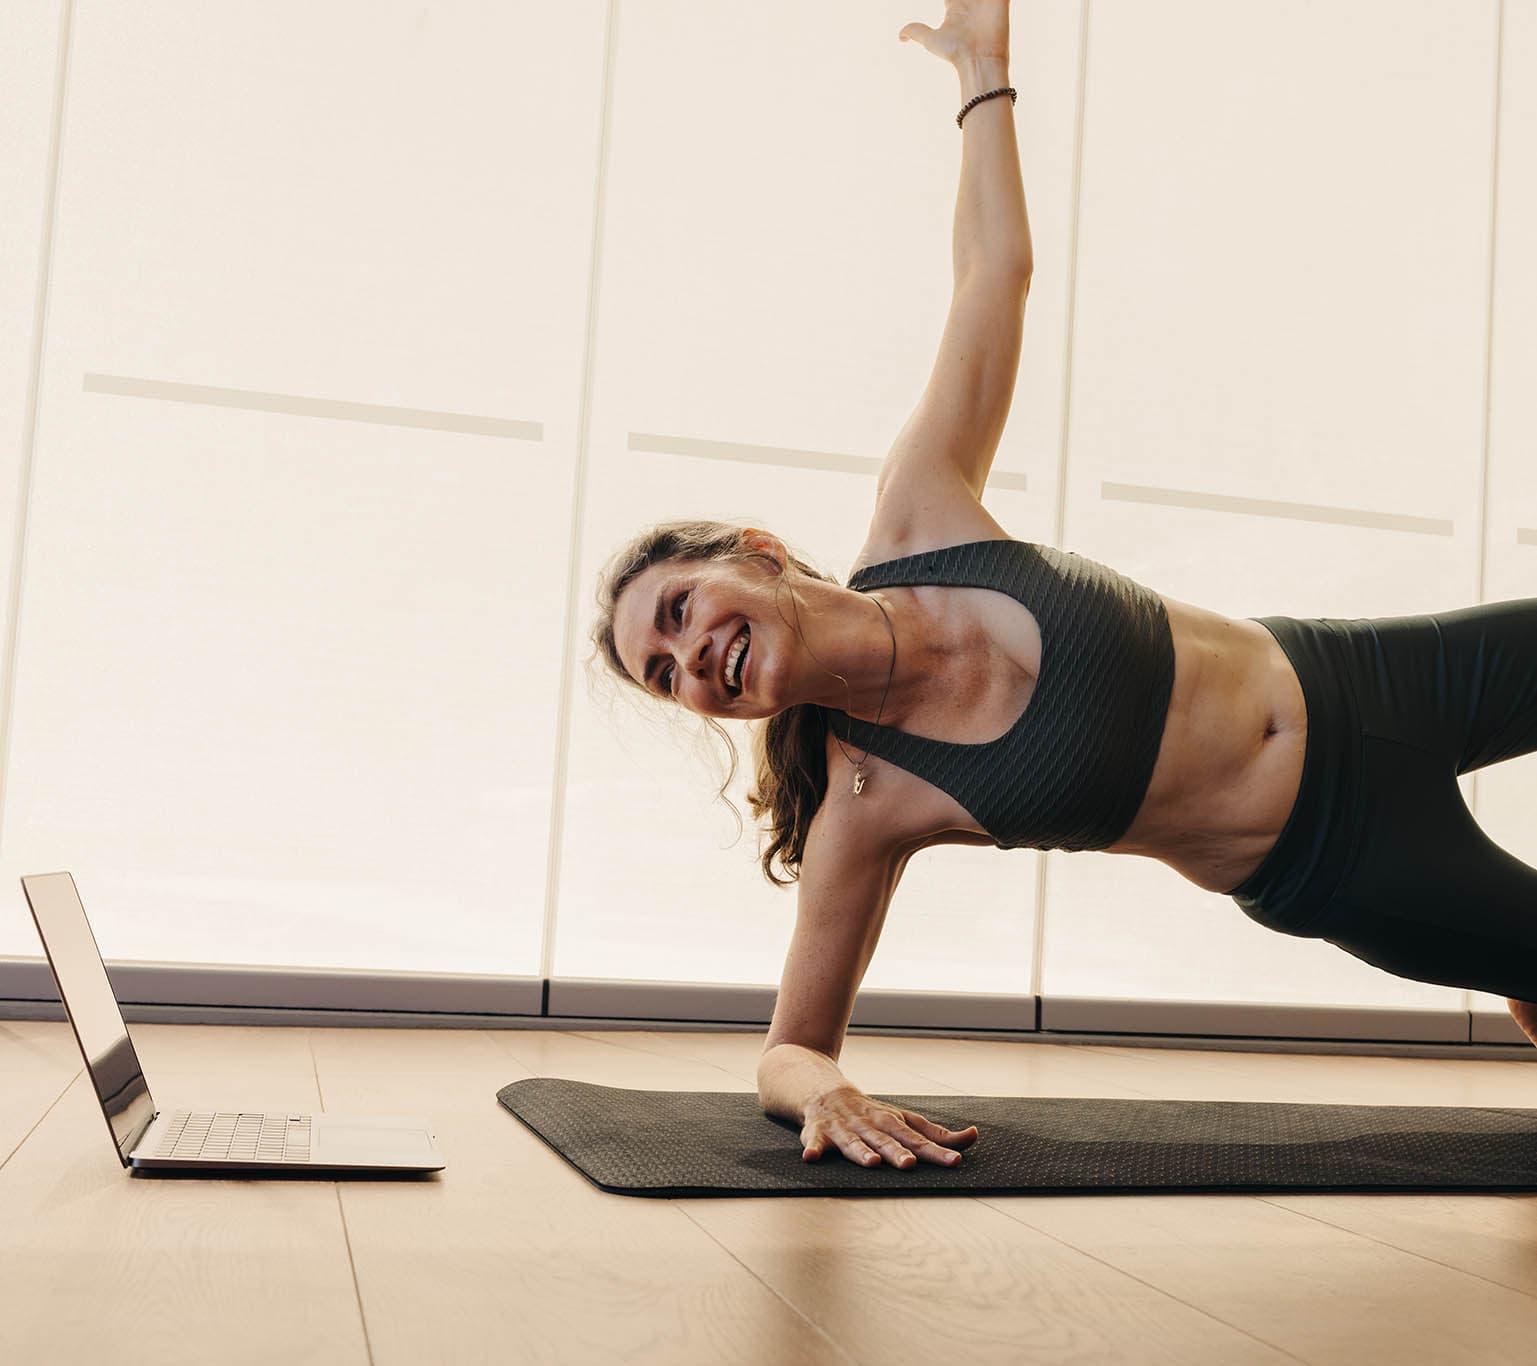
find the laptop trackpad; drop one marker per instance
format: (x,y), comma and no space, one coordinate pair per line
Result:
(355,1141)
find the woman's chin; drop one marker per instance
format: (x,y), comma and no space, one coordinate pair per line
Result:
(760,697)
(753,705)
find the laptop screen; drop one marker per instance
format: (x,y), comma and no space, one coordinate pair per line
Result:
(92,1007)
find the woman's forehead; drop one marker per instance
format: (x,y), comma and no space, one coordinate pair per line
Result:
(635,613)
(639,596)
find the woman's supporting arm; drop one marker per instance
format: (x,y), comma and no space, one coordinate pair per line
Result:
(992,228)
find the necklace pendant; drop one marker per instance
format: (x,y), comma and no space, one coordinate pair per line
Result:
(859,782)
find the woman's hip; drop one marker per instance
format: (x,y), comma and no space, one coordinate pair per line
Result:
(1307,860)
(1398,707)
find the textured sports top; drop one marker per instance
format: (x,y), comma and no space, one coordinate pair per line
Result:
(1072,771)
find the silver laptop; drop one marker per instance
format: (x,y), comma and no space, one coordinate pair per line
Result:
(215,1141)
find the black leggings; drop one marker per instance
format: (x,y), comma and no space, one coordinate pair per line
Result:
(1380,855)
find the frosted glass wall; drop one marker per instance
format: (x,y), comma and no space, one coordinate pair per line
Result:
(343,346)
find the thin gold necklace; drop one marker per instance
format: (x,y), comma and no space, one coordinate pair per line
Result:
(859,777)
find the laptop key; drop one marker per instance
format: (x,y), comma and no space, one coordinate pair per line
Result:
(241,1137)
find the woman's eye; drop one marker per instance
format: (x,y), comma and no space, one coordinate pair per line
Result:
(677,616)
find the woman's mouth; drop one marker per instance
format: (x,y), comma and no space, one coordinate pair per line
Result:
(734,667)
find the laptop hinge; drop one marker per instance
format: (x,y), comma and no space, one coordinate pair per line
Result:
(137,1136)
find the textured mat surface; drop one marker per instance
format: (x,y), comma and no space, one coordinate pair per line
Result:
(717,1143)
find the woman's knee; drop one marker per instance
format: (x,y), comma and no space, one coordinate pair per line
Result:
(1525,1015)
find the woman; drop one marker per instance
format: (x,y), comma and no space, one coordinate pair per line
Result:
(966,688)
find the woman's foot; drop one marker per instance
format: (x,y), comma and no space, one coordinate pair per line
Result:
(1525,1014)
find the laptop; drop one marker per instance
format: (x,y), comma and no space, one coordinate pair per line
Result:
(216,1142)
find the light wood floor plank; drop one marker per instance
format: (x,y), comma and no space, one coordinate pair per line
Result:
(1335,1079)
(801,1249)
(27,1099)
(1487,1236)
(495,1266)
(239,1272)
(927,1279)
(511,1254)
(45,1046)
(1323,1293)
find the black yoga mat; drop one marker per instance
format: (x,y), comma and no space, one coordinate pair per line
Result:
(676,1144)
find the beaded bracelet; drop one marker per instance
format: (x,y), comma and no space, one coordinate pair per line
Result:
(1007,90)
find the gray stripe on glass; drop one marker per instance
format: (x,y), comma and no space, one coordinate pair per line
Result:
(1264,507)
(784,457)
(296,404)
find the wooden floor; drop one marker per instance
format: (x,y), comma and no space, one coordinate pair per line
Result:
(510,1255)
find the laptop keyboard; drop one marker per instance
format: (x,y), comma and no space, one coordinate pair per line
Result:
(241,1137)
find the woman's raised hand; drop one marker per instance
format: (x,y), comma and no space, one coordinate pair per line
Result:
(867,1130)
(972,28)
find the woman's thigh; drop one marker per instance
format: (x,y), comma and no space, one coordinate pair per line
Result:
(1462,684)
(1492,679)
(1428,895)
(1382,857)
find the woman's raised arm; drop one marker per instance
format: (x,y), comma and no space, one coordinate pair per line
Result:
(992,227)
(946,448)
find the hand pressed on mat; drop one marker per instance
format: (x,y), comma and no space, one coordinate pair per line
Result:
(864,1129)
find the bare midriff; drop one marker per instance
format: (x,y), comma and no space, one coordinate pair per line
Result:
(1230,763)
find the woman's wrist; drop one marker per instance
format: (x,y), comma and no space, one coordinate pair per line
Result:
(981,73)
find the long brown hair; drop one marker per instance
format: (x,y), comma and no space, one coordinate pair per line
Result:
(789,748)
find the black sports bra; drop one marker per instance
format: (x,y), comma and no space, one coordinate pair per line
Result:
(1072,771)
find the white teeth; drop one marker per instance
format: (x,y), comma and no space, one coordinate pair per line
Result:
(733,659)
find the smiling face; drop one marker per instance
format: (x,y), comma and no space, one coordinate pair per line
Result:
(680,624)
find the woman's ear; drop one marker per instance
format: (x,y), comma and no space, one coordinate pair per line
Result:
(756,542)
